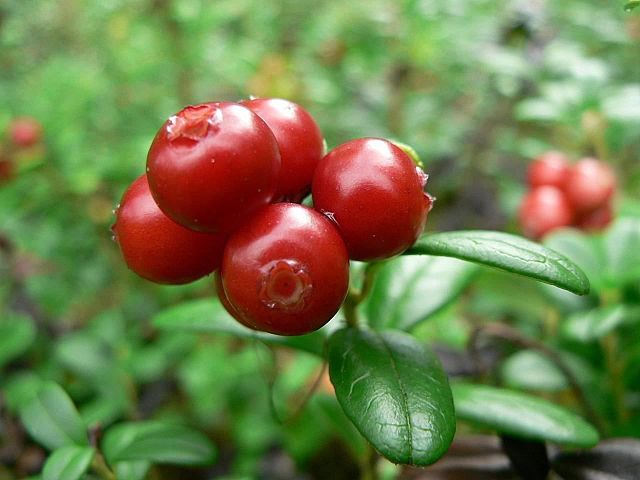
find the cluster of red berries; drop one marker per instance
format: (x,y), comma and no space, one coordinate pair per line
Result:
(563,194)
(222,193)
(23,133)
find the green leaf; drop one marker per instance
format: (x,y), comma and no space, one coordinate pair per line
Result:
(584,250)
(521,415)
(530,370)
(622,253)
(598,322)
(19,389)
(395,392)
(506,252)
(157,441)
(630,6)
(68,463)
(17,333)
(408,290)
(209,316)
(132,470)
(52,419)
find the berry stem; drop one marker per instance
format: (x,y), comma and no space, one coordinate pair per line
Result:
(356,296)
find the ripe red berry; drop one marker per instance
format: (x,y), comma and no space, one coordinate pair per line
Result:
(157,248)
(596,220)
(590,185)
(299,139)
(544,209)
(286,271)
(25,131)
(373,191)
(212,165)
(550,168)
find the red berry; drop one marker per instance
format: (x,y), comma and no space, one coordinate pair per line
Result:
(590,184)
(299,139)
(25,131)
(286,271)
(212,165)
(373,191)
(544,209)
(157,248)
(550,168)
(597,219)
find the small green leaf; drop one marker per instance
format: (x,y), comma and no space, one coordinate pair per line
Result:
(395,392)
(408,290)
(157,441)
(530,370)
(598,322)
(68,463)
(630,6)
(132,470)
(209,316)
(506,252)
(17,333)
(622,253)
(521,415)
(52,419)
(19,389)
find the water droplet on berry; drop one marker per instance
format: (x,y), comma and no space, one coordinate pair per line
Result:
(285,286)
(330,215)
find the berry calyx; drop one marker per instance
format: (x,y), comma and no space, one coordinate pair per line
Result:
(212,165)
(286,271)
(157,248)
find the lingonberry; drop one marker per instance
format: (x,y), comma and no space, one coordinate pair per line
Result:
(595,220)
(299,139)
(25,131)
(589,185)
(157,248)
(550,168)
(6,170)
(373,191)
(544,209)
(212,165)
(286,271)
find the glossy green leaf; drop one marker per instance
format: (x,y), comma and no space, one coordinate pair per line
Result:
(584,250)
(17,333)
(521,415)
(157,441)
(622,253)
(506,252)
(598,322)
(395,392)
(68,463)
(209,316)
(409,289)
(52,419)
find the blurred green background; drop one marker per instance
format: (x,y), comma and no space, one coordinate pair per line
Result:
(477,87)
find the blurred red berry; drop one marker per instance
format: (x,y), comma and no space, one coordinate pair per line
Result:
(6,170)
(25,131)
(596,220)
(550,168)
(590,185)
(544,209)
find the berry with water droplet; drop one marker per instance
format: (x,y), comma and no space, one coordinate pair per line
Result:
(299,139)
(374,192)
(212,165)
(157,248)
(286,271)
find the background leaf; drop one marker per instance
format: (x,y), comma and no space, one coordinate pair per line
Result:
(68,463)
(52,419)
(622,253)
(507,252)
(521,415)
(209,316)
(408,290)
(591,325)
(157,441)
(17,333)
(394,390)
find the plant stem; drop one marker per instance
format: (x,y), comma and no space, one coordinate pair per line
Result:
(513,336)
(101,468)
(615,368)
(356,296)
